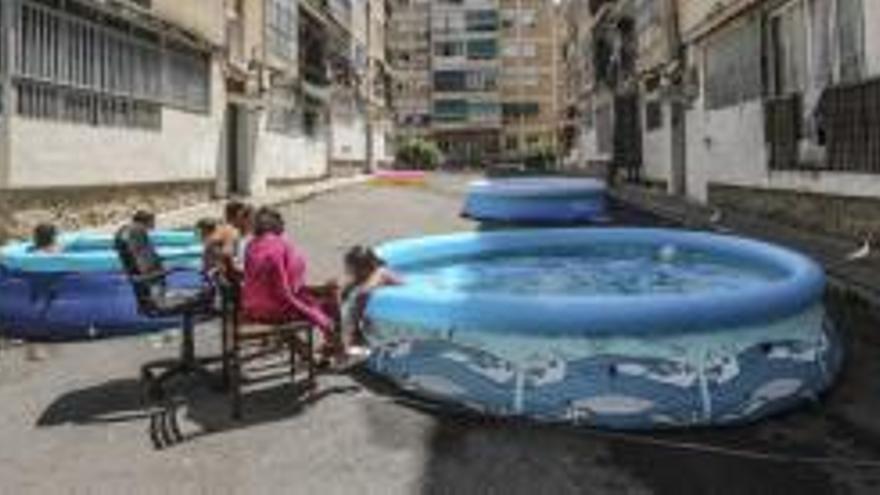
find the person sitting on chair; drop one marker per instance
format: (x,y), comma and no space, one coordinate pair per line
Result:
(275,290)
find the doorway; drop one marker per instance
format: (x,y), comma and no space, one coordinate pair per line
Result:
(678,183)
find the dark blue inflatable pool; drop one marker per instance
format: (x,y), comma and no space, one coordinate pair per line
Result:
(81,292)
(536,200)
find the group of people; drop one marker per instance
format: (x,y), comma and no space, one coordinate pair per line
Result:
(250,247)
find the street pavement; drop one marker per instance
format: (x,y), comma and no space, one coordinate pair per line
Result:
(72,423)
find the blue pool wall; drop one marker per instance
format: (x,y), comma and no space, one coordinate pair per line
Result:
(628,362)
(536,201)
(81,292)
(803,284)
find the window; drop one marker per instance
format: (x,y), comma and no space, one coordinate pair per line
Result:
(520,109)
(788,50)
(850,39)
(448,49)
(449,80)
(281,28)
(733,66)
(71,68)
(450,110)
(485,49)
(481,20)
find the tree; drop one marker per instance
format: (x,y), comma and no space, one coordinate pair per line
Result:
(418,154)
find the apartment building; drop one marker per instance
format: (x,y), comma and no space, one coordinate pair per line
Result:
(529,82)
(473,76)
(360,111)
(107,105)
(465,69)
(761,106)
(111,105)
(409,52)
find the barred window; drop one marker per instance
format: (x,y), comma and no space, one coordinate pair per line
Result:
(733,66)
(281,28)
(188,79)
(71,68)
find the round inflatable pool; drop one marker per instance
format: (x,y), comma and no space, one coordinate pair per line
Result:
(617,328)
(399,177)
(536,200)
(81,291)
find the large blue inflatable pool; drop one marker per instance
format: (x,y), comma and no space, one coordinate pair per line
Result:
(536,200)
(81,291)
(617,328)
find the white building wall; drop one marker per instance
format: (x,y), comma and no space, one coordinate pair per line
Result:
(657,148)
(188,147)
(282,157)
(727,146)
(872,36)
(349,136)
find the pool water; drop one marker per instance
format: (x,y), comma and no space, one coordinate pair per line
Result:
(605,270)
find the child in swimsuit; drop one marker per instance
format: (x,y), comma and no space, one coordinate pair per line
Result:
(365,272)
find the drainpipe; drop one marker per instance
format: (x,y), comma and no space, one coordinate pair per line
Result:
(370,164)
(7,95)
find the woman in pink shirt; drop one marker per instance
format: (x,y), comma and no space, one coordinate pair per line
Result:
(274,289)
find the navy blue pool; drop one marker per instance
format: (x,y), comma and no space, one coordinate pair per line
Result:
(619,328)
(537,200)
(81,291)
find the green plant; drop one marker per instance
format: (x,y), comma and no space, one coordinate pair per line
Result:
(540,159)
(418,154)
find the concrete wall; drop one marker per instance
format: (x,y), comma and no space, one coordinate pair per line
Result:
(349,133)
(727,146)
(206,18)
(284,157)
(872,36)
(188,147)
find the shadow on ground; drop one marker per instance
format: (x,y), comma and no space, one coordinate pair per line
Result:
(189,411)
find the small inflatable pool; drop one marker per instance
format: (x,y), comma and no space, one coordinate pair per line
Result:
(616,328)
(399,177)
(536,200)
(81,291)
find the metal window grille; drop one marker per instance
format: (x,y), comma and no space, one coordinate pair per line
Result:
(72,68)
(281,28)
(782,124)
(850,120)
(733,66)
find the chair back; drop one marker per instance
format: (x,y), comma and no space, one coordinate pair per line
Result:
(142,265)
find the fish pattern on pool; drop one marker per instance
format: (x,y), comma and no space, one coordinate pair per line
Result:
(608,386)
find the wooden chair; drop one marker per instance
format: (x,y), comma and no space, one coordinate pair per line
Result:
(244,343)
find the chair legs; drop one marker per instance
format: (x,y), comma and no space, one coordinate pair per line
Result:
(155,374)
(296,351)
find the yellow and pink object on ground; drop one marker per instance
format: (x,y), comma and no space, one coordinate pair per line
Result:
(399,177)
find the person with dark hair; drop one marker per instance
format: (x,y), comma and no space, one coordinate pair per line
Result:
(45,238)
(214,255)
(145,219)
(236,228)
(365,272)
(275,290)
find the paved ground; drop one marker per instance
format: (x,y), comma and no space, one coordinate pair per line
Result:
(72,423)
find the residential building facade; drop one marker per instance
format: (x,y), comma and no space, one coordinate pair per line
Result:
(472,76)
(767,107)
(111,105)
